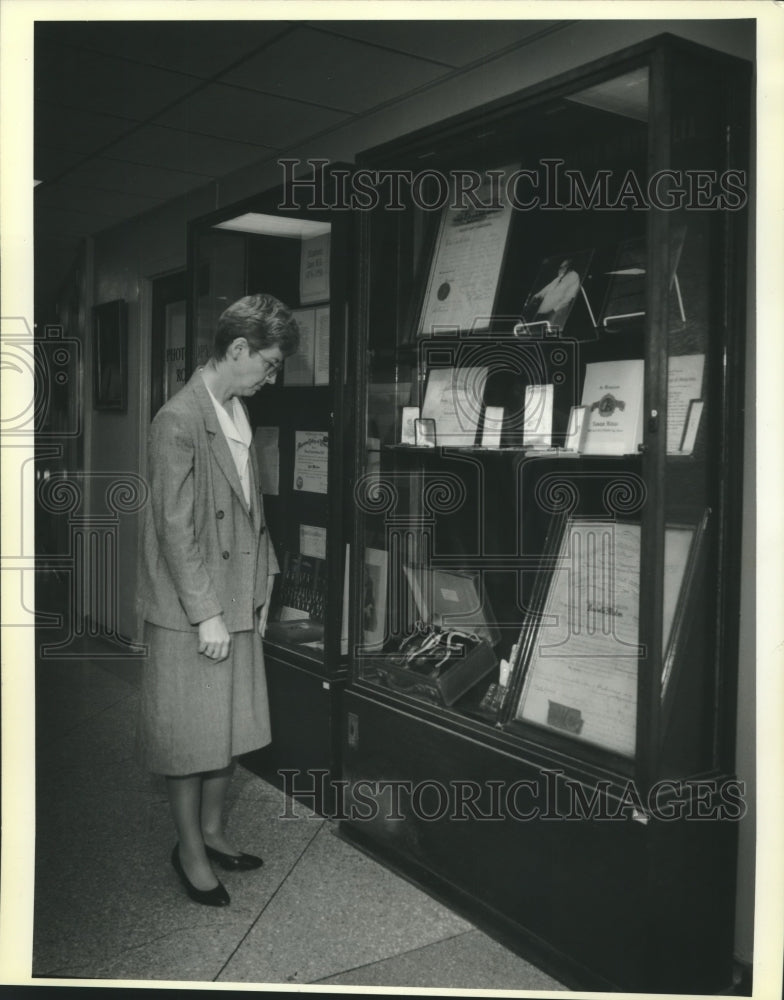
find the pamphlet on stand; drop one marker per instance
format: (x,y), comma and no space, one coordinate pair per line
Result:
(613,395)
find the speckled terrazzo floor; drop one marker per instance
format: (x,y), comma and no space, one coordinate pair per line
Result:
(108,904)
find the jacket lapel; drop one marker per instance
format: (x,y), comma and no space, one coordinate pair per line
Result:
(218,444)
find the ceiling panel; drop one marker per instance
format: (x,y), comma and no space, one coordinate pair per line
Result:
(89,199)
(249,117)
(105,174)
(333,71)
(188,151)
(453,43)
(200,48)
(132,113)
(73,129)
(67,222)
(49,162)
(90,81)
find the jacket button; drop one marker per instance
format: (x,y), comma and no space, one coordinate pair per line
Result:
(225,555)
(262,529)
(219,514)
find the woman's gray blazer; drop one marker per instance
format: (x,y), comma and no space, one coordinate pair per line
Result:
(203,552)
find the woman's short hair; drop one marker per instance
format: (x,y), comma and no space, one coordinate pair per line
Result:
(262,320)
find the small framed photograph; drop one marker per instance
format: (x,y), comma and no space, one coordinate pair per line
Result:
(407,424)
(557,287)
(425,433)
(110,344)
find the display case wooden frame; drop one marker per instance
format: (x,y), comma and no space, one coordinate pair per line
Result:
(600,903)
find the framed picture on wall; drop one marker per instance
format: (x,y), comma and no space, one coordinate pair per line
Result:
(110,353)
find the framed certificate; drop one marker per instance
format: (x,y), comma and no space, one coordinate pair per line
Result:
(467,260)
(581,671)
(581,644)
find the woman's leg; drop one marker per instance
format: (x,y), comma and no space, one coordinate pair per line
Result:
(215,787)
(185,799)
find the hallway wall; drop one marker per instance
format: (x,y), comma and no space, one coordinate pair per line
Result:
(129,256)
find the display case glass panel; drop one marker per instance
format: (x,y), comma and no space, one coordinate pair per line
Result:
(543,414)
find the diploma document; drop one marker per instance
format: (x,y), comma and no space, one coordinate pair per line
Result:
(581,676)
(467,262)
(311,459)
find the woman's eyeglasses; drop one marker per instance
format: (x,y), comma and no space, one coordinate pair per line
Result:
(272,367)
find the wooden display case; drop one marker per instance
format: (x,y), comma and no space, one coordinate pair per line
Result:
(301,429)
(563,295)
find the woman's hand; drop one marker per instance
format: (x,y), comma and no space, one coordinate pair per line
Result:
(214,638)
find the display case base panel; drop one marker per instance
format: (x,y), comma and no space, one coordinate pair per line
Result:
(612,903)
(304,716)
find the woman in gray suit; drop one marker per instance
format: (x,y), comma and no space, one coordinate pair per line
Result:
(207,571)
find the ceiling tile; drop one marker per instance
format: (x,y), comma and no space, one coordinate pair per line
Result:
(49,162)
(332,71)
(201,48)
(454,43)
(93,82)
(93,200)
(64,222)
(106,174)
(199,154)
(248,117)
(72,129)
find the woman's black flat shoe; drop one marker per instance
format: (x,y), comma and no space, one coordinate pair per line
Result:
(234,862)
(208,897)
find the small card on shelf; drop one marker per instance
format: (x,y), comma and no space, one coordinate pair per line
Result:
(575,432)
(408,420)
(538,416)
(491,430)
(425,433)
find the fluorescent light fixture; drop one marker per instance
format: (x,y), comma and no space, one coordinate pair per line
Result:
(275,225)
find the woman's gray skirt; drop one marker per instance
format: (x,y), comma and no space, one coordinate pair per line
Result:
(195,714)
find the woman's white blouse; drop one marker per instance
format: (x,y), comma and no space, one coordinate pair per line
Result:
(239,437)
